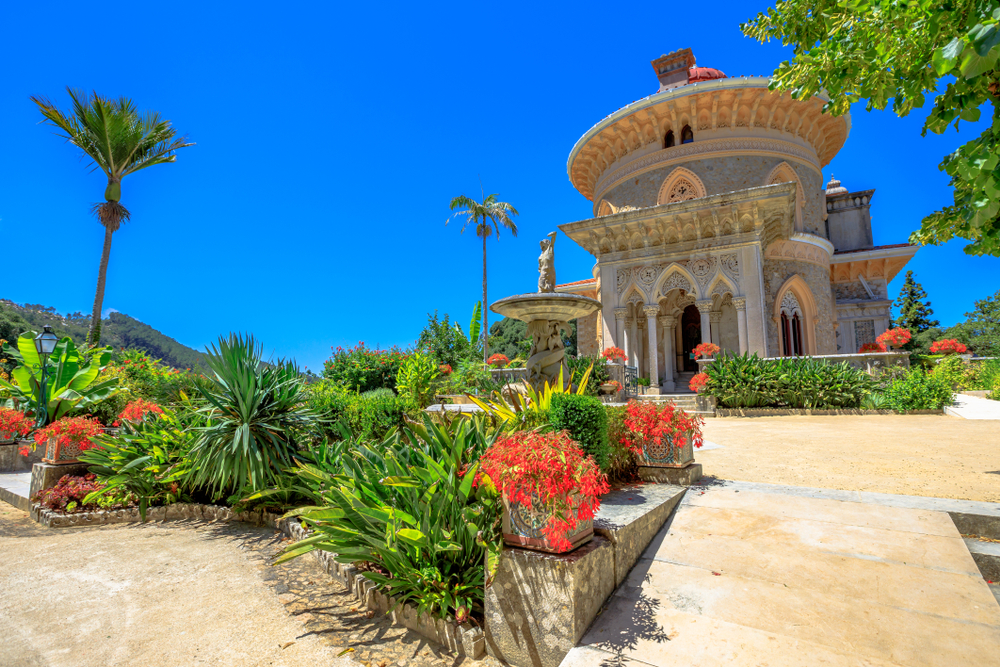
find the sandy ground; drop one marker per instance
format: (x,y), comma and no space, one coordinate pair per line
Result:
(158,594)
(919,455)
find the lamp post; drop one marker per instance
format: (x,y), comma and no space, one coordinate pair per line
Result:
(45,344)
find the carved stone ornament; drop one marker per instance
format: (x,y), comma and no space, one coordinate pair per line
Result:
(622,279)
(702,268)
(682,190)
(731,265)
(621,313)
(703,306)
(740,303)
(647,274)
(675,281)
(790,304)
(548,352)
(651,311)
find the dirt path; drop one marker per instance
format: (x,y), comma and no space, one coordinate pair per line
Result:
(182,593)
(920,455)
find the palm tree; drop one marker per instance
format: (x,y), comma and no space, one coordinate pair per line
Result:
(119,141)
(483,214)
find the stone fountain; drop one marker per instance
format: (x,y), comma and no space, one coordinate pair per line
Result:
(547,314)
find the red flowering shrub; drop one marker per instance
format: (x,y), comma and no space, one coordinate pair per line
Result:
(897,337)
(13,423)
(617,385)
(68,490)
(645,423)
(363,369)
(498,360)
(74,433)
(706,350)
(946,346)
(551,468)
(137,410)
(445,369)
(698,382)
(871,347)
(614,354)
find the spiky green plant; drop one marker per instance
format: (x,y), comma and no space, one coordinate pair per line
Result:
(258,412)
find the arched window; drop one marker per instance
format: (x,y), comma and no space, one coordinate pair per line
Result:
(791,326)
(668,141)
(687,136)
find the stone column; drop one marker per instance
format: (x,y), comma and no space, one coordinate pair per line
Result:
(619,340)
(633,353)
(740,303)
(704,308)
(679,345)
(667,325)
(629,339)
(716,319)
(640,346)
(654,362)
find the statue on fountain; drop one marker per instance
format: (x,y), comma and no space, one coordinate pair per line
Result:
(547,264)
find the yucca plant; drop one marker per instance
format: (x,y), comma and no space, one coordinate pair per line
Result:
(408,506)
(258,411)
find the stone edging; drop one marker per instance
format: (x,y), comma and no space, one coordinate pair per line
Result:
(783,412)
(464,639)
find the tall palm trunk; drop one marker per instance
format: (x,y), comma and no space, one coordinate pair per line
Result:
(486,317)
(94,335)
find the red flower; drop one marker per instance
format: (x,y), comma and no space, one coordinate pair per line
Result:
(648,423)
(614,354)
(24,451)
(137,410)
(445,369)
(897,337)
(698,382)
(499,360)
(13,422)
(948,346)
(868,348)
(706,350)
(71,432)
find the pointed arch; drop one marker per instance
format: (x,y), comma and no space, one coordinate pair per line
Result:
(792,300)
(632,294)
(721,284)
(604,208)
(784,173)
(680,185)
(673,277)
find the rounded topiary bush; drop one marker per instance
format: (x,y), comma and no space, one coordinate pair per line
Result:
(586,421)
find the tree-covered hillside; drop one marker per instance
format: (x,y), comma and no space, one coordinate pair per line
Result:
(119,330)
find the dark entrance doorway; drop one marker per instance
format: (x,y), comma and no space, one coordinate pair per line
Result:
(690,335)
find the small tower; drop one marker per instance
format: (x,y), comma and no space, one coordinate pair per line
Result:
(672,69)
(849,220)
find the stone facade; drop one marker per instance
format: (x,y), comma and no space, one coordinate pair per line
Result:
(712,224)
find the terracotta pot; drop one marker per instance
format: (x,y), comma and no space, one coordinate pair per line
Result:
(522,527)
(58,454)
(666,455)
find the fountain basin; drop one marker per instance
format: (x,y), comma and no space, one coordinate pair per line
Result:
(549,306)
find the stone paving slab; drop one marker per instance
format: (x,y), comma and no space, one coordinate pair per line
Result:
(972,407)
(764,578)
(15,488)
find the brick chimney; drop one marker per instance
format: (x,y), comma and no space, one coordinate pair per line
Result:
(672,68)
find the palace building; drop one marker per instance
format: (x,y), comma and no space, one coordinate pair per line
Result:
(712,223)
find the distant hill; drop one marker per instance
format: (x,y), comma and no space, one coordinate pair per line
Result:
(119,330)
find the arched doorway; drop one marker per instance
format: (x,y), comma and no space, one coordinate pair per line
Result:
(690,335)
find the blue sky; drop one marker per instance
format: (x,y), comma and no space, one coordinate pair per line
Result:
(330,139)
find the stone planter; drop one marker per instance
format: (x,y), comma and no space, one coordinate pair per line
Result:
(665,455)
(59,454)
(7,437)
(607,389)
(522,527)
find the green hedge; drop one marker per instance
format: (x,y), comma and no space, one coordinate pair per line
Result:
(918,390)
(369,416)
(748,381)
(622,464)
(586,421)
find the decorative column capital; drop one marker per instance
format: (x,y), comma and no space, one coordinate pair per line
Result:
(715,317)
(651,311)
(740,303)
(629,321)
(667,320)
(703,306)
(621,313)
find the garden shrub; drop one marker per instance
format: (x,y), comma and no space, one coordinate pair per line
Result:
(598,376)
(363,369)
(918,390)
(369,416)
(142,376)
(70,491)
(747,381)
(586,421)
(415,381)
(622,464)
(954,372)
(408,506)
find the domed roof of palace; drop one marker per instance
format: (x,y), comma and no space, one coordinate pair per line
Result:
(724,113)
(834,187)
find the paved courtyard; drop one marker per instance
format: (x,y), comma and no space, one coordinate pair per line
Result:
(747,578)
(919,455)
(182,593)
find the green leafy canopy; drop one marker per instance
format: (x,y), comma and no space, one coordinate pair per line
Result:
(904,51)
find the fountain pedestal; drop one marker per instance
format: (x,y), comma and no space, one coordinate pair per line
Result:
(547,315)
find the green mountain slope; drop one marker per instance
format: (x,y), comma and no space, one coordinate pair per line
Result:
(119,330)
